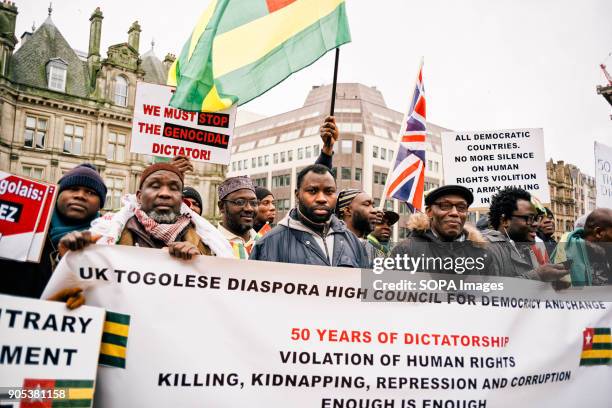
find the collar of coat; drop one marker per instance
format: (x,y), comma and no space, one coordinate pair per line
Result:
(420,223)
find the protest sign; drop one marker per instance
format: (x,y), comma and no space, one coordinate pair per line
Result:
(603,175)
(49,354)
(218,332)
(26,207)
(161,130)
(487,161)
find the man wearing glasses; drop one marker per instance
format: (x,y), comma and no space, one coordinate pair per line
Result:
(440,238)
(515,220)
(238,206)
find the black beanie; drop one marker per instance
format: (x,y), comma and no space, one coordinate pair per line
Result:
(84,175)
(190,192)
(262,192)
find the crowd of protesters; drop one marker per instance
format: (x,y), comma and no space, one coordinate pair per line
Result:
(326,227)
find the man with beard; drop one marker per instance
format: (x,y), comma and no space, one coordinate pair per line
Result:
(157,222)
(311,234)
(238,205)
(81,194)
(588,250)
(514,218)
(356,209)
(441,235)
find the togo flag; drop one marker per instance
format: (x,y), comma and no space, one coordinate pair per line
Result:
(596,346)
(113,350)
(65,393)
(239,49)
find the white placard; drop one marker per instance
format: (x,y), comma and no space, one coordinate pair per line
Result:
(46,348)
(162,130)
(218,332)
(603,175)
(487,161)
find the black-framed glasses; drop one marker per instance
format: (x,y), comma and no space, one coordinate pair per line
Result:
(446,206)
(529,219)
(241,202)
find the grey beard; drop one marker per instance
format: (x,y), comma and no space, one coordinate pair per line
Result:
(163,218)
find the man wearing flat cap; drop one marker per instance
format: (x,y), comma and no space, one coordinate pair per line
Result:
(238,205)
(441,234)
(157,220)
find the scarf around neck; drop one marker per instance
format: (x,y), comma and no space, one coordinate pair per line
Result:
(166,233)
(59,227)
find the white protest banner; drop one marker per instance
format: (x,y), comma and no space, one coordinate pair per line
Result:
(48,354)
(487,161)
(218,332)
(26,207)
(603,175)
(162,130)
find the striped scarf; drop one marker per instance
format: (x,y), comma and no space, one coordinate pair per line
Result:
(166,233)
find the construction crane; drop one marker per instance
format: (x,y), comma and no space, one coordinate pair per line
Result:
(605,71)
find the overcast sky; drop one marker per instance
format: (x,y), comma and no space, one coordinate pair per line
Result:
(488,64)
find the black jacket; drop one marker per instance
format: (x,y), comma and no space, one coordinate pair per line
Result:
(291,242)
(467,256)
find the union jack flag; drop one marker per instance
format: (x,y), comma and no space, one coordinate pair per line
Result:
(407,179)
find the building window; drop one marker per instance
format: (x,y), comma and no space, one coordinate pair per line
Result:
(383,153)
(121,91)
(261,182)
(281,181)
(389,205)
(403,232)
(358,146)
(282,205)
(115,149)
(289,155)
(436,168)
(429,165)
(376,177)
(375,152)
(33,172)
(308,152)
(346,146)
(316,150)
(358,174)
(300,153)
(259,161)
(345,173)
(233,166)
(245,164)
(383,178)
(282,157)
(391,152)
(73,138)
(114,191)
(239,165)
(35,132)
(267,159)
(56,75)
(275,158)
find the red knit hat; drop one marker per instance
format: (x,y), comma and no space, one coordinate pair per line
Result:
(158,167)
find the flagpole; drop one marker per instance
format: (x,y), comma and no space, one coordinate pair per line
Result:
(333,96)
(383,198)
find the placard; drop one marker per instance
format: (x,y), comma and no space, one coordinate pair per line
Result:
(48,354)
(490,160)
(26,207)
(603,175)
(162,130)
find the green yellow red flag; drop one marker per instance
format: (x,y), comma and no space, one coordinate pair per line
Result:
(239,49)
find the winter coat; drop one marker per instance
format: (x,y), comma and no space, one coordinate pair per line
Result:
(292,242)
(507,258)
(440,255)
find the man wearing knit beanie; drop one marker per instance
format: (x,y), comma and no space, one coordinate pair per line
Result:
(266,211)
(81,194)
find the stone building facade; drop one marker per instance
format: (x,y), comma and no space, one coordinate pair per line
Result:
(60,107)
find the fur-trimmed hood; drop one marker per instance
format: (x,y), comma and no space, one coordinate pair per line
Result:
(420,223)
